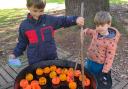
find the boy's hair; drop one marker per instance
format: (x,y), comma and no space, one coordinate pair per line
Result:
(39,4)
(102,17)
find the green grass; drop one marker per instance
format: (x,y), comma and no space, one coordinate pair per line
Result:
(118,1)
(111,1)
(10,16)
(55,1)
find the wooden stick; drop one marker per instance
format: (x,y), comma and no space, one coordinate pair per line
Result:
(80,56)
(81,50)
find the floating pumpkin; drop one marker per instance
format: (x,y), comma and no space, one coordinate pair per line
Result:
(39,71)
(56,80)
(36,87)
(69,79)
(65,71)
(28,87)
(35,84)
(29,77)
(80,77)
(58,70)
(46,70)
(72,85)
(42,81)
(87,82)
(23,83)
(77,73)
(70,69)
(63,77)
(52,74)
(70,73)
(53,68)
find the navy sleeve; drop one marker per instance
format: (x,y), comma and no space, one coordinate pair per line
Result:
(65,21)
(22,43)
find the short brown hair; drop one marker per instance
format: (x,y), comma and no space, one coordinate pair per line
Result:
(102,17)
(40,4)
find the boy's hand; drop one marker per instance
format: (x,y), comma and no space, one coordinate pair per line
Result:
(80,21)
(13,61)
(83,32)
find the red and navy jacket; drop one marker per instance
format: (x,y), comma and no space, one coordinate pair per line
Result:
(37,36)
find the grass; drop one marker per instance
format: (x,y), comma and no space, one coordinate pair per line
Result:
(118,1)
(55,1)
(10,16)
(111,1)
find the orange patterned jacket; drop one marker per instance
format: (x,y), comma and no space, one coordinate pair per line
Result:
(102,49)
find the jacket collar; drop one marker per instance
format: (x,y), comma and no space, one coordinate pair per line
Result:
(32,20)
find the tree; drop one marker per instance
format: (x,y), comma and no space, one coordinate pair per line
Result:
(73,7)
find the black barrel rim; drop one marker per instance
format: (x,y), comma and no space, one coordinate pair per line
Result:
(63,63)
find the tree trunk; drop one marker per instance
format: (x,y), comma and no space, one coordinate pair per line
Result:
(73,7)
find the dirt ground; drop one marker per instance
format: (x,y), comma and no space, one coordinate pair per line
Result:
(69,40)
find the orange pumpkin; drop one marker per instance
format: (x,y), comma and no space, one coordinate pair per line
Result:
(36,87)
(87,82)
(65,71)
(80,77)
(39,71)
(70,69)
(70,73)
(23,83)
(42,81)
(53,68)
(58,70)
(46,70)
(35,84)
(29,77)
(69,79)
(63,77)
(28,87)
(52,74)
(56,80)
(77,73)
(72,85)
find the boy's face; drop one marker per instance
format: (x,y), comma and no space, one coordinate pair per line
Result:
(103,29)
(35,12)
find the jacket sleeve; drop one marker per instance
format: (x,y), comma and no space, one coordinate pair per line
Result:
(110,54)
(22,43)
(65,21)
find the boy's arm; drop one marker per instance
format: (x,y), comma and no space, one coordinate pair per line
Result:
(22,43)
(110,54)
(65,21)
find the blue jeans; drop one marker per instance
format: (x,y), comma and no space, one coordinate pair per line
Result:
(93,67)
